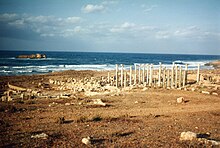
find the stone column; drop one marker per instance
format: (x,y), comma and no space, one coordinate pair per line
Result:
(130,75)
(168,78)
(135,74)
(139,77)
(180,77)
(147,79)
(125,79)
(108,77)
(184,78)
(143,74)
(151,75)
(198,74)
(116,75)
(159,75)
(176,75)
(172,76)
(164,77)
(122,74)
(186,71)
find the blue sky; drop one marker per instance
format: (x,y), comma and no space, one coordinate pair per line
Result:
(146,26)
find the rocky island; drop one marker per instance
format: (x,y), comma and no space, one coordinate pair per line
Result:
(32,56)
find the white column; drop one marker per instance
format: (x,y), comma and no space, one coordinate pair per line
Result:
(176,75)
(130,75)
(122,74)
(143,74)
(180,77)
(108,77)
(135,74)
(198,73)
(116,75)
(139,77)
(159,75)
(172,76)
(147,79)
(151,75)
(164,77)
(186,72)
(185,75)
(125,79)
(168,78)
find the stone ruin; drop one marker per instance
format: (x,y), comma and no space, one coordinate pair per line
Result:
(90,86)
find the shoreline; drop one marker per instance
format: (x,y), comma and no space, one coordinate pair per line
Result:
(215,64)
(73,104)
(212,65)
(82,74)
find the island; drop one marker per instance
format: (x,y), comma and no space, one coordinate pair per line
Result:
(32,56)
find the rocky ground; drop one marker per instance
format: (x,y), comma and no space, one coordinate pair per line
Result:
(46,111)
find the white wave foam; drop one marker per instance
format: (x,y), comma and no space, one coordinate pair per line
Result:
(4,67)
(31,69)
(193,63)
(6,71)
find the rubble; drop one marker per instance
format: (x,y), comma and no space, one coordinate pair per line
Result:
(86,141)
(216,94)
(60,120)
(16,88)
(206,92)
(42,136)
(188,135)
(199,137)
(144,89)
(99,102)
(193,89)
(92,86)
(52,104)
(180,100)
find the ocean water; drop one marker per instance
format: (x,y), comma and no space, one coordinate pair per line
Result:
(60,61)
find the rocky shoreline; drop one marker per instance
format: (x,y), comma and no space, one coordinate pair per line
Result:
(215,64)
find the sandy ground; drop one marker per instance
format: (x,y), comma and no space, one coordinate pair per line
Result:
(135,118)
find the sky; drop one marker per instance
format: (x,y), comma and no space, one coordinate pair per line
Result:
(136,26)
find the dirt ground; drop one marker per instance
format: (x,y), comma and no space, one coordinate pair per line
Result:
(135,118)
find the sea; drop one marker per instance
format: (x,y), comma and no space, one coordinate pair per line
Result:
(60,61)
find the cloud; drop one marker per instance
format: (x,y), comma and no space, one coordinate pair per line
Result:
(17,23)
(51,20)
(146,9)
(73,20)
(132,28)
(45,26)
(109,2)
(126,26)
(93,8)
(188,32)
(162,35)
(47,35)
(69,32)
(76,27)
(39,19)
(7,17)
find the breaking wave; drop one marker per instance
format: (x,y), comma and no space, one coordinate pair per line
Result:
(32,69)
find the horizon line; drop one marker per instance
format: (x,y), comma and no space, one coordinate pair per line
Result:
(120,52)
